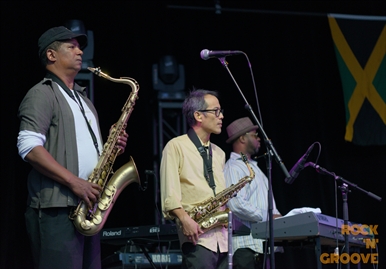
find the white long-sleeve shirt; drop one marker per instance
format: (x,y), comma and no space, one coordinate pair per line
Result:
(251,203)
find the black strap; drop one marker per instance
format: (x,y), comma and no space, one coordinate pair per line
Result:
(79,102)
(208,171)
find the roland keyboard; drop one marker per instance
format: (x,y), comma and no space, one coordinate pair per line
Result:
(307,226)
(120,236)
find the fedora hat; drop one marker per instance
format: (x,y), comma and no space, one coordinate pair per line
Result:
(239,127)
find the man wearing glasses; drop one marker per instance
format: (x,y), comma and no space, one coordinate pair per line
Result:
(191,172)
(251,203)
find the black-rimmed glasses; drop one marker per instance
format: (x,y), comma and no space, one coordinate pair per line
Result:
(216,111)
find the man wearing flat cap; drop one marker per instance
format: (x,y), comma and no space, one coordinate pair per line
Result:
(59,136)
(251,203)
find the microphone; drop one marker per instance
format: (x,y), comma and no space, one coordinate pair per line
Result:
(298,166)
(206,54)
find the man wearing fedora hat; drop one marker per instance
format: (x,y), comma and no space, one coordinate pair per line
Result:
(251,203)
(59,136)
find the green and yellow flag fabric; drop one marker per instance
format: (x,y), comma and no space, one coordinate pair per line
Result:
(360,46)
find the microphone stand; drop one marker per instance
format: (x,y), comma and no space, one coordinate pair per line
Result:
(272,152)
(345,190)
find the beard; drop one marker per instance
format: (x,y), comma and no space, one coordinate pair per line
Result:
(252,149)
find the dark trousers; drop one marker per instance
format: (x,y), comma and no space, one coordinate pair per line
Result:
(245,258)
(199,257)
(57,244)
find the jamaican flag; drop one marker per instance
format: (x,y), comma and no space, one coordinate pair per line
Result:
(360,46)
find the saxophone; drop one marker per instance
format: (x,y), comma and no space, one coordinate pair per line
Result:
(90,221)
(207,213)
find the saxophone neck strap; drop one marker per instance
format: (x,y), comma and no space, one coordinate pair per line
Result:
(207,160)
(56,79)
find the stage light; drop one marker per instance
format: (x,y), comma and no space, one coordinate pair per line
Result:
(169,78)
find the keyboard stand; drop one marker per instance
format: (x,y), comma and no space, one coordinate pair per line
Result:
(146,253)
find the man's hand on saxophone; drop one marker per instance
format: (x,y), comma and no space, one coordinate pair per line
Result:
(190,228)
(87,191)
(43,162)
(121,143)
(122,139)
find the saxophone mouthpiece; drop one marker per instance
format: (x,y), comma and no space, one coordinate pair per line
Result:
(243,157)
(96,71)
(245,160)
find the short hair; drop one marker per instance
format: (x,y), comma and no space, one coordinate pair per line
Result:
(54,46)
(195,101)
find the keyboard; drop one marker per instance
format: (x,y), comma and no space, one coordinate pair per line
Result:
(120,236)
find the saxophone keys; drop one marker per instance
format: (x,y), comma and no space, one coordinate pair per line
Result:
(209,223)
(86,225)
(108,192)
(212,220)
(97,219)
(104,204)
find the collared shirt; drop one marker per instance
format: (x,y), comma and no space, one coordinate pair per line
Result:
(87,155)
(183,185)
(251,203)
(44,110)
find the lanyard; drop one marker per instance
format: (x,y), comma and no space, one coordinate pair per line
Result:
(69,92)
(208,171)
